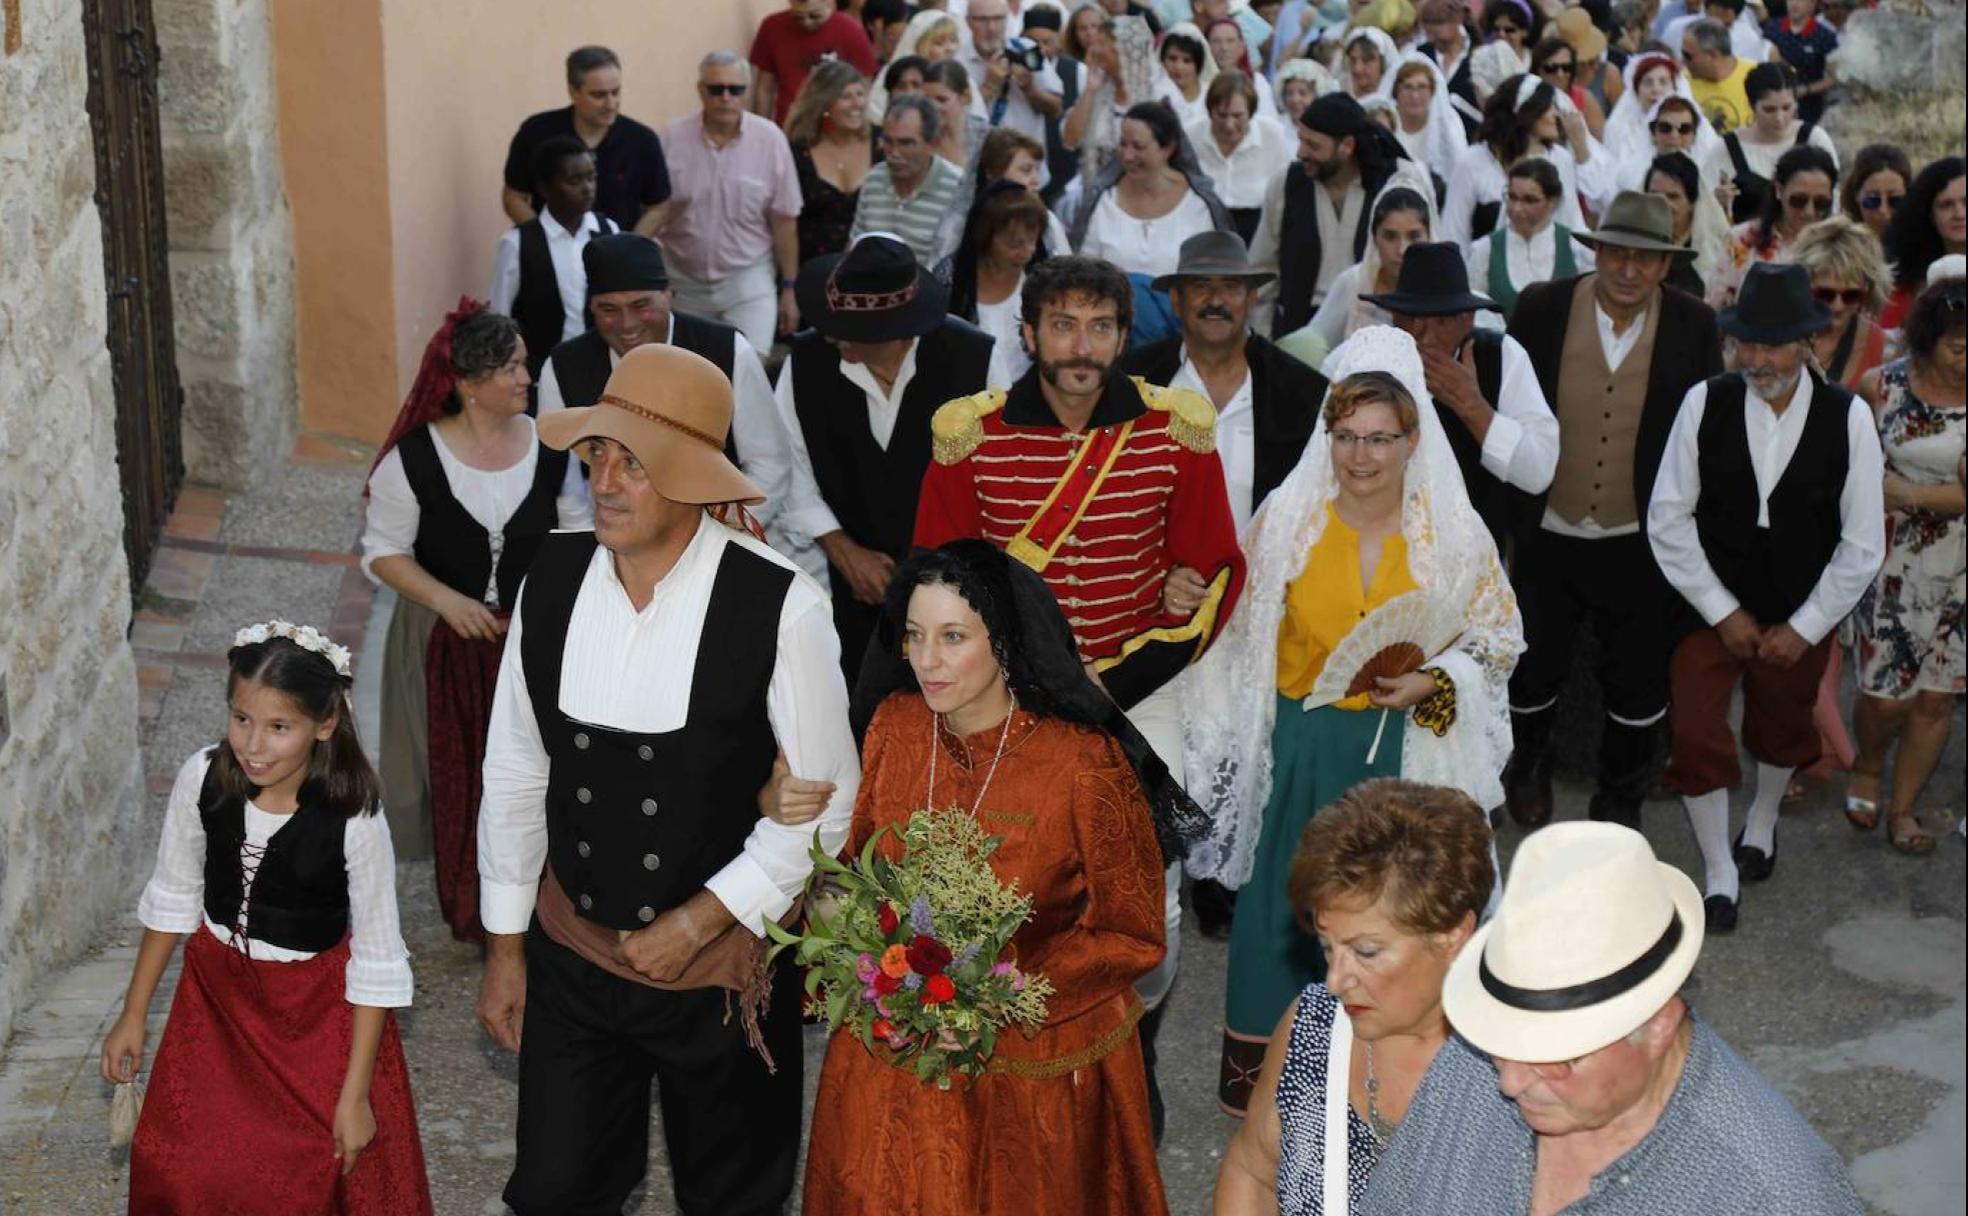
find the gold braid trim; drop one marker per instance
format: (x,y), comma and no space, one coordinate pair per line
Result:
(1059,1066)
(1191,418)
(1436,712)
(957,427)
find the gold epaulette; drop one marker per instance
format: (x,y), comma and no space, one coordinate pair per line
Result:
(1191,418)
(958,426)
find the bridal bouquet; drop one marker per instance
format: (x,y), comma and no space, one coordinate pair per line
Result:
(911,954)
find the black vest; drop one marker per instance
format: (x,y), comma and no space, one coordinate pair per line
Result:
(537,306)
(873,491)
(582,366)
(300,892)
(1752,187)
(1489,494)
(1300,247)
(1772,570)
(455,548)
(636,823)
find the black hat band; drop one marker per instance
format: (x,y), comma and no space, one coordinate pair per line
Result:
(1592,992)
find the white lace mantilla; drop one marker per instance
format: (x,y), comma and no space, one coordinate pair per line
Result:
(1232,692)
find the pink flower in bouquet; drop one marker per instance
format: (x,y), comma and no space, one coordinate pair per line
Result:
(927,956)
(938,989)
(1002,969)
(895,962)
(865,969)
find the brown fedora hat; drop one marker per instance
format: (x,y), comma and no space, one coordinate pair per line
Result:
(672,409)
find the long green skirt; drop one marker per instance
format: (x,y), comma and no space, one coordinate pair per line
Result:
(1315,757)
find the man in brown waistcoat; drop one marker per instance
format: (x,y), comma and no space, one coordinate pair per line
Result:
(1615,352)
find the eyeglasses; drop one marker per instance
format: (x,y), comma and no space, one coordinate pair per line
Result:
(1873,202)
(1850,297)
(1553,69)
(725,90)
(1818,204)
(1379,443)
(1674,128)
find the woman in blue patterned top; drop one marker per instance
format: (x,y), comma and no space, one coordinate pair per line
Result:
(1390,878)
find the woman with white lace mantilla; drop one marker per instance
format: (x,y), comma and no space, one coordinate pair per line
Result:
(1374,513)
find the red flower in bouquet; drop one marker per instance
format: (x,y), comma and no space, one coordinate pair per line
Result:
(938,989)
(882,1028)
(927,956)
(888,919)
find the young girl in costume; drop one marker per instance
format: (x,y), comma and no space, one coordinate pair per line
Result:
(280,1086)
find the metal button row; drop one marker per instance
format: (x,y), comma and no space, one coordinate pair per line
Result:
(582,742)
(649,860)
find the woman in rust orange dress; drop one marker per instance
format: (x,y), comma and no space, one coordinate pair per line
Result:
(993,690)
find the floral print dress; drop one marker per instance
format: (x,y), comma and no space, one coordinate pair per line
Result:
(1908,626)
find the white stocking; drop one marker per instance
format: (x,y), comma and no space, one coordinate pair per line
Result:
(1760,830)
(1708,815)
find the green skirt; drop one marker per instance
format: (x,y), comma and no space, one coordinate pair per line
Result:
(1315,757)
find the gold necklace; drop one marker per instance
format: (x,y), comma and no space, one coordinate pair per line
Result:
(935,745)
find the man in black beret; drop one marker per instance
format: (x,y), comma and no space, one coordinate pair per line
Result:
(1316,212)
(630,299)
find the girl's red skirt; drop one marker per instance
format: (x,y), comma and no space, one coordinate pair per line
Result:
(239,1116)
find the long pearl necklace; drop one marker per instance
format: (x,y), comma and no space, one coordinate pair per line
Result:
(935,745)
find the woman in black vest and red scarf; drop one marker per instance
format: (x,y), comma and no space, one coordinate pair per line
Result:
(459,499)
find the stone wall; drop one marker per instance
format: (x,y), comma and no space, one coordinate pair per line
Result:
(70,785)
(232,264)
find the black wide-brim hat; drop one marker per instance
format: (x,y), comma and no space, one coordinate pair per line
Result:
(1774,306)
(1433,282)
(874,292)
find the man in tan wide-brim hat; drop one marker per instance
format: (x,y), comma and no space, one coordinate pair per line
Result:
(1581,1076)
(672,409)
(653,671)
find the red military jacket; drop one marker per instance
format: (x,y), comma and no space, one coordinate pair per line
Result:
(1102,514)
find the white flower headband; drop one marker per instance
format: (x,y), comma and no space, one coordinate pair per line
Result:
(307,637)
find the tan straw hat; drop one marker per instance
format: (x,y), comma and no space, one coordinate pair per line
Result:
(1593,936)
(672,409)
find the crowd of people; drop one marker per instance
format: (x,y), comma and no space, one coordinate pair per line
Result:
(1191,437)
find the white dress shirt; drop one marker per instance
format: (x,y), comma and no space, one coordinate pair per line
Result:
(489,496)
(1532,260)
(570,273)
(1773,439)
(1241,178)
(378,972)
(1236,437)
(763,451)
(1521,448)
(807,517)
(632,671)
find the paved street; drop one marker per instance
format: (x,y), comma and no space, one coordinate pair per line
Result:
(1845,983)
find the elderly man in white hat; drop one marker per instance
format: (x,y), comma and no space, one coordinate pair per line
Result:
(1580,1081)
(655,669)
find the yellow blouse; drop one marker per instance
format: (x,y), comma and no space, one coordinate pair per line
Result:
(1326,600)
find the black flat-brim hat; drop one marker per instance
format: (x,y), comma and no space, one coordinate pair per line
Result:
(1775,306)
(874,292)
(1213,255)
(1433,282)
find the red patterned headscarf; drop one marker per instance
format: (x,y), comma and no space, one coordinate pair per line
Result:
(435,381)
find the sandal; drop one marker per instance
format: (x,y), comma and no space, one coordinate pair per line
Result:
(1908,836)
(1795,792)
(1861,813)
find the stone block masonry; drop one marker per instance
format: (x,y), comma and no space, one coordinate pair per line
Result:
(70,781)
(232,264)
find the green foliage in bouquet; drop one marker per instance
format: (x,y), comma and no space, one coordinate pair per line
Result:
(911,955)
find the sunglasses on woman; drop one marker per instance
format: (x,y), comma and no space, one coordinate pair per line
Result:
(1850,297)
(1553,69)
(1872,201)
(1674,128)
(1817,204)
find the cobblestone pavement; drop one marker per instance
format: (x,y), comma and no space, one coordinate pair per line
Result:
(1845,983)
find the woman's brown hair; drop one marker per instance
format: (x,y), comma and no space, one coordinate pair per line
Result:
(1424,850)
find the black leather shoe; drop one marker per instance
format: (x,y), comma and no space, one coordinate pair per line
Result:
(1527,795)
(1752,863)
(1720,913)
(1215,906)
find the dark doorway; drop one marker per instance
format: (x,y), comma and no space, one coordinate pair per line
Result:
(122,48)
